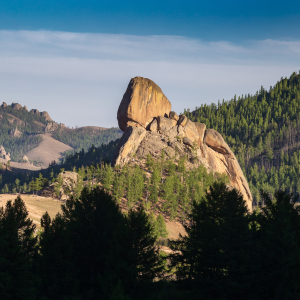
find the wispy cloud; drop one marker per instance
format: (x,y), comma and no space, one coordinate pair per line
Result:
(86,75)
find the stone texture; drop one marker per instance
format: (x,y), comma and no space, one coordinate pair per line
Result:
(191,131)
(69,180)
(51,126)
(182,120)
(165,122)
(25,158)
(16,106)
(201,146)
(128,144)
(173,116)
(4,105)
(15,133)
(34,111)
(153,125)
(201,130)
(188,141)
(25,107)
(214,140)
(45,115)
(142,101)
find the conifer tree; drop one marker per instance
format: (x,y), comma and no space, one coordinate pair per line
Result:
(17,251)
(279,247)
(216,254)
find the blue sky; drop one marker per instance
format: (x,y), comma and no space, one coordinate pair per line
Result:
(75,58)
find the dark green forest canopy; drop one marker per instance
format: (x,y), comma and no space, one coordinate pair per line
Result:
(263,130)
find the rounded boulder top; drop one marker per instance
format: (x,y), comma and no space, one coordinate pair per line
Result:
(142,101)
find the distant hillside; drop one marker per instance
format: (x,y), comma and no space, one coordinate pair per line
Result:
(20,134)
(85,137)
(263,130)
(19,128)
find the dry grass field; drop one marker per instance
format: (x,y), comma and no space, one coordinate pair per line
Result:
(47,151)
(36,205)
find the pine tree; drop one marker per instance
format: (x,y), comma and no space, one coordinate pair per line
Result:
(279,247)
(147,262)
(18,252)
(215,255)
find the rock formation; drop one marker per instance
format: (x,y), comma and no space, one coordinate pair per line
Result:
(150,126)
(142,101)
(45,115)
(4,154)
(16,106)
(15,132)
(68,183)
(51,126)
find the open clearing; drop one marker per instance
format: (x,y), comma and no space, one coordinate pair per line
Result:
(47,151)
(36,205)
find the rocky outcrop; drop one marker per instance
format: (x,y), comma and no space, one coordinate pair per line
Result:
(52,126)
(4,105)
(128,145)
(4,154)
(142,101)
(175,135)
(45,115)
(16,106)
(63,188)
(34,111)
(15,132)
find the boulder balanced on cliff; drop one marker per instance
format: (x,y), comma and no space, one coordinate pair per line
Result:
(142,101)
(150,127)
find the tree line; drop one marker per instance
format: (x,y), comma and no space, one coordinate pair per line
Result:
(261,129)
(92,251)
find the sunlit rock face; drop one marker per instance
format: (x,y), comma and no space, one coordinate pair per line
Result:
(150,127)
(142,101)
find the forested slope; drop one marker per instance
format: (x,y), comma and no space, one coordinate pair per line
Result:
(85,137)
(263,130)
(28,123)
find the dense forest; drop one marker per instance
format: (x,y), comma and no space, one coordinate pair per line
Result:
(28,123)
(91,250)
(263,130)
(86,137)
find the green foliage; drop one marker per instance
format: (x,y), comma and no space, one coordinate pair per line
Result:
(216,252)
(279,247)
(29,124)
(86,137)
(17,251)
(259,128)
(117,257)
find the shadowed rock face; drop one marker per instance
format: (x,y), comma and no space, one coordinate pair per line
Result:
(142,101)
(202,146)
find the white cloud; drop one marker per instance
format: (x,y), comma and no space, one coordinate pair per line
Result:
(80,78)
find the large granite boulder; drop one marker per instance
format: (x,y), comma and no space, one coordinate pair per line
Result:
(142,101)
(173,134)
(214,140)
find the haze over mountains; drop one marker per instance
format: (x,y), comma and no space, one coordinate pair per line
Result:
(33,136)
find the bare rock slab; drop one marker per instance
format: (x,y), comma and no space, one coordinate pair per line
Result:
(128,145)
